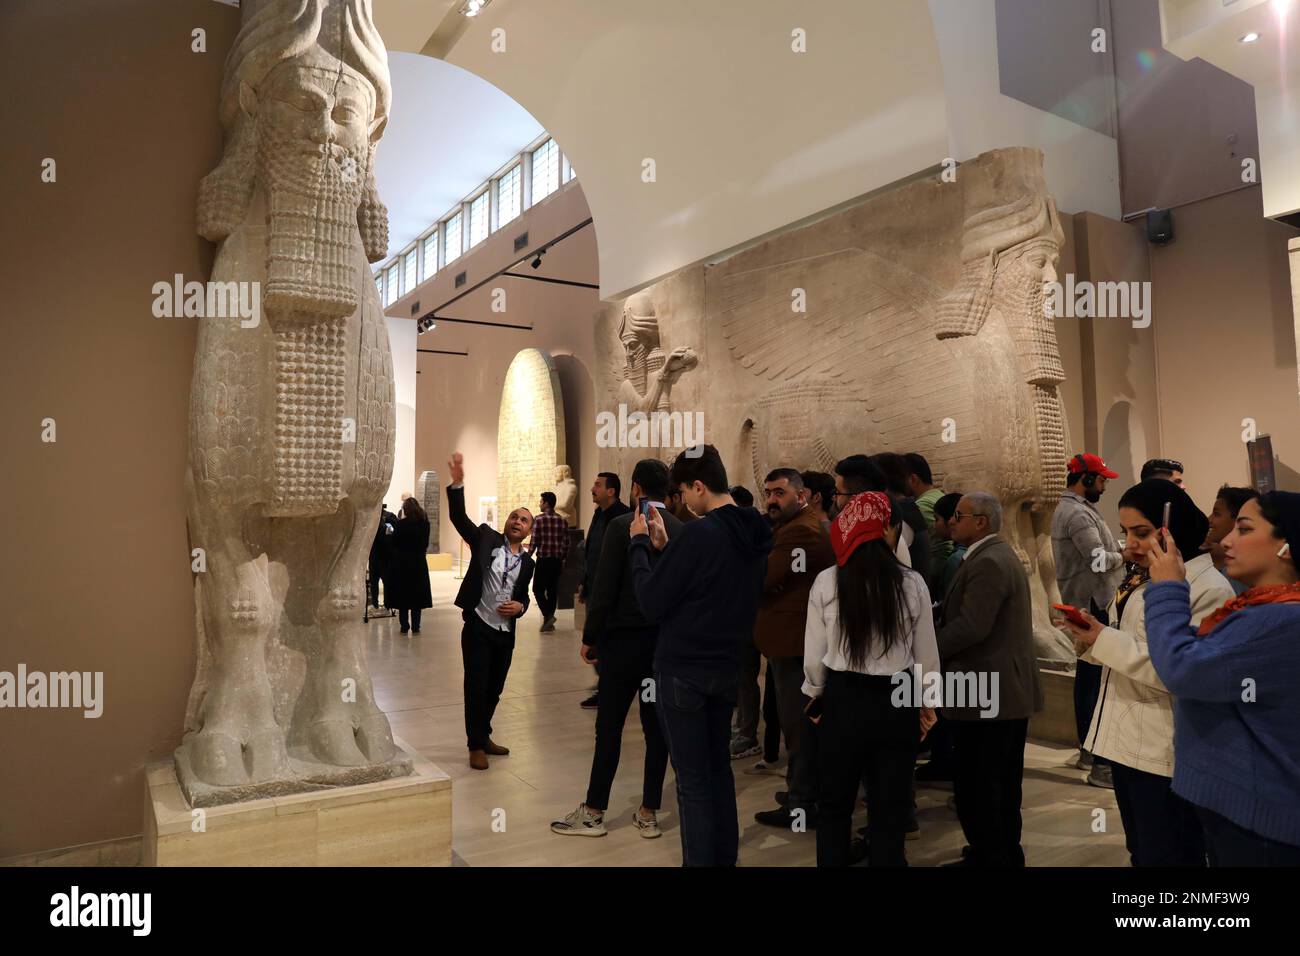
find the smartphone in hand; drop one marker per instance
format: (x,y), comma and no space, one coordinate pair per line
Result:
(1073,615)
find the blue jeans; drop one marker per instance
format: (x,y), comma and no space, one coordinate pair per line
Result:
(695,713)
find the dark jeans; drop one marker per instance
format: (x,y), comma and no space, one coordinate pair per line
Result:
(1231,845)
(695,713)
(627,658)
(546,579)
(748,699)
(486,653)
(1160,827)
(939,740)
(861,734)
(987,774)
(800,745)
(414,620)
(1087,687)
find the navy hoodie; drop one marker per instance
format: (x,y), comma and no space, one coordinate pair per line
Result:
(703,590)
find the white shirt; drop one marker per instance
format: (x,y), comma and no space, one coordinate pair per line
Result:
(823,647)
(499,586)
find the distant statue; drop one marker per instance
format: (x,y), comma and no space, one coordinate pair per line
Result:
(427,490)
(648,373)
(566,495)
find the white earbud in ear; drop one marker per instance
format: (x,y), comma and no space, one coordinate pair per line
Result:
(1283,551)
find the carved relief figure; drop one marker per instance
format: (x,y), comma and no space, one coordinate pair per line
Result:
(648,373)
(566,495)
(292,420)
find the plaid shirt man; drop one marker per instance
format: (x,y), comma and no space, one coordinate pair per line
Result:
(550,536)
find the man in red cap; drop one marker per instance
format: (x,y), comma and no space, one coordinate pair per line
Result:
(1089,566)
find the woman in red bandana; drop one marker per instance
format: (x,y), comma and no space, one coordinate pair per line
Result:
(869,623)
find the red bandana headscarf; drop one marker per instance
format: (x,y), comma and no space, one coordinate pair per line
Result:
(865,518)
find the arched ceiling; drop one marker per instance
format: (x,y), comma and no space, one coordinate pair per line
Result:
(746,135)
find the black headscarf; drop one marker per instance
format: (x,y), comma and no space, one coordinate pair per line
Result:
(1187,524)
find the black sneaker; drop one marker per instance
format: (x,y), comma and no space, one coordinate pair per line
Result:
(591,703)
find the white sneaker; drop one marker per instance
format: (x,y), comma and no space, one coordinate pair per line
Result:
(649,829)
(581,822)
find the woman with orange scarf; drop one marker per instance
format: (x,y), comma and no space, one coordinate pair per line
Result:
(1236,686)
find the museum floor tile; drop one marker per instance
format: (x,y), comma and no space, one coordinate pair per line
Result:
(501,816)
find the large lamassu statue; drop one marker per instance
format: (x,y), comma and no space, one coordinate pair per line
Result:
(291,419)
(913,321)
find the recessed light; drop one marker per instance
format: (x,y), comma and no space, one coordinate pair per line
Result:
(472,8)
(1249,38)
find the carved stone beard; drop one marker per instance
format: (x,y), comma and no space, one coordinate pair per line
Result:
(1018,293)
(635,364)
(312,200)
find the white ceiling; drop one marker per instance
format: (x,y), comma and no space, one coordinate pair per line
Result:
(448,132)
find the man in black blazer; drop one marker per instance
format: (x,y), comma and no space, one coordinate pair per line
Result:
(492,597)
(986,635)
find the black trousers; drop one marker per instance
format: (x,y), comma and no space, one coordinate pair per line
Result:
(627,661)
(1160,827)
(861,734)
(771,721)
(546,580)
(1087,688)
(987,774)
(486,653)
(800,743)
(412,621)
(1232,845)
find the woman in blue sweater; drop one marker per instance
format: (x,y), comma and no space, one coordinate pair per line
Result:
(1236,687)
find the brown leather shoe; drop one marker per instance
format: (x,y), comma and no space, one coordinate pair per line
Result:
(478,760)
(494,749)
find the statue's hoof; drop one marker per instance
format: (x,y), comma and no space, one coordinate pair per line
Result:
(225,760)
(375,738)
(334,742)
(217,759)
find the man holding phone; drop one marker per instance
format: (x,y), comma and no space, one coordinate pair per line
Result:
(1089,566)
(620,637)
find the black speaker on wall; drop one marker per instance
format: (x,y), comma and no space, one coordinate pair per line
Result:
(1160,226)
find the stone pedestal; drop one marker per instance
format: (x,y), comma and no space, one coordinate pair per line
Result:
(571,575)
(1055,722)
(404,821)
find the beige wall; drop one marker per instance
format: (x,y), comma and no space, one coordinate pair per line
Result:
(94,575)
(459,397)
(1225,337)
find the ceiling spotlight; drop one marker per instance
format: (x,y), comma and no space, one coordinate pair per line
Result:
(471,8)
(1249,38)
(425,325)
(537,263)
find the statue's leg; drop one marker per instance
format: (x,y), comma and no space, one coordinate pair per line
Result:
(237,739)
(347,727)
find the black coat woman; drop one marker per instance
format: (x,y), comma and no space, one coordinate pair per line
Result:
(408,579)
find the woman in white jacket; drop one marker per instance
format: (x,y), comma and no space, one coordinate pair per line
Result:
(1133,721)
(869,621)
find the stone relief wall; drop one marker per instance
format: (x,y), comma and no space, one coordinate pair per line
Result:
(530,432)
(911,322)
(291,419)
(428,492)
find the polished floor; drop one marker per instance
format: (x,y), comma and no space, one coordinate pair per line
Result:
(501,815)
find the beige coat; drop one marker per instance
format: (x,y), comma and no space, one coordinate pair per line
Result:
(1133,722)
